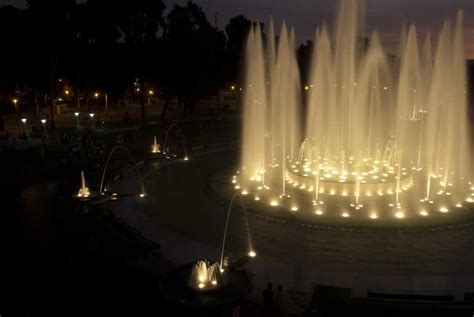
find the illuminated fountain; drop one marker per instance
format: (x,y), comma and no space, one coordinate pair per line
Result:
(85,194)
(155,147)
(205,277)
(84,191)
(382,140)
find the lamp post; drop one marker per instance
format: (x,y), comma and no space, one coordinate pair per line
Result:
(91,115)
(45,130)
(15,102)
(150,94)
(25,130)
(106,101)
(78,123)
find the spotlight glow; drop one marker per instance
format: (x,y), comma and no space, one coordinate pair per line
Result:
(424,213)
(400,215)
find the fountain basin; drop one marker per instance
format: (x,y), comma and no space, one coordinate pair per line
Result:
(176,289)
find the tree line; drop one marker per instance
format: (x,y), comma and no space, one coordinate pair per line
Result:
(109,45)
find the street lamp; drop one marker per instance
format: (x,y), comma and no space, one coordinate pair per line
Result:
(25,130)
(150,94)
(15,101)
(45,130)
(96,95)
(76,115)
(91,115)
(66,92)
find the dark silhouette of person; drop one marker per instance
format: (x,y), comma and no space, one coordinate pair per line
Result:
(268,301)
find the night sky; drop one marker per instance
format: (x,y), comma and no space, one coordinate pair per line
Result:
(386,16)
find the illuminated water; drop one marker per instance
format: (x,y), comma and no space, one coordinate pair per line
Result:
(375,138)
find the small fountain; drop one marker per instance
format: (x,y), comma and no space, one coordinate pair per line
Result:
(84,191)
(206,277)
(213,284)
(155,147)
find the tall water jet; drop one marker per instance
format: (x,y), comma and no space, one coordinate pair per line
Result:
(381,134)
(255,99)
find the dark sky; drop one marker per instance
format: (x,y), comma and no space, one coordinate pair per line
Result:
(386,16)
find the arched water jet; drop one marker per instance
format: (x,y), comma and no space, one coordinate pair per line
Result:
(122,147)
(180,134)
(251,251)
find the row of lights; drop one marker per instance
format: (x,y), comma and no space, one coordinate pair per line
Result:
(399,215)
(91,115)
(25,120)
(307,87)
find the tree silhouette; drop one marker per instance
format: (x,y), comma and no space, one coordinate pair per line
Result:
(194,52)
(237,31)
(105,45)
